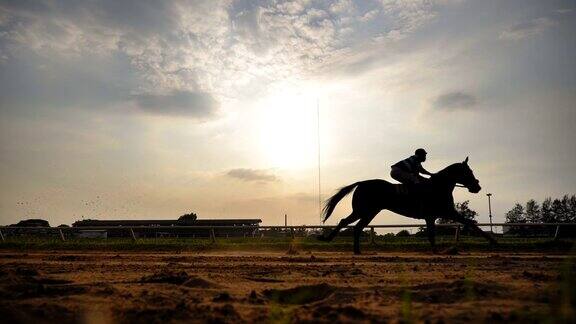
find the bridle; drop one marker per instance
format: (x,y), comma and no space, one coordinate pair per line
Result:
(466,186)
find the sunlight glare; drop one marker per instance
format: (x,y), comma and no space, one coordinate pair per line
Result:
(288,133)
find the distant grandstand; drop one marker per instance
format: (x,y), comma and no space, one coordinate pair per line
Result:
(148,228)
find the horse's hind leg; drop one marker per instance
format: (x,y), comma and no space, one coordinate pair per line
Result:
(343,223)
(358,228)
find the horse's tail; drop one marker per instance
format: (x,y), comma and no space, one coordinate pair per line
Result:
(331,203)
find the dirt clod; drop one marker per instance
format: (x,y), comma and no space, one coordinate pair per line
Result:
(300,294)
(177,278)
(222,297)
(455,291)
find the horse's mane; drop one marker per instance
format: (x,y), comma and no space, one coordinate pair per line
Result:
(447,170)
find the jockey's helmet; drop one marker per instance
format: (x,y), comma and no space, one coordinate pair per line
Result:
(420,152)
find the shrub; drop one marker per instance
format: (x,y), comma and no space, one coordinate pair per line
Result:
(403,233)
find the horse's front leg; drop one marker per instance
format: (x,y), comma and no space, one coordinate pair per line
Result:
(358,228)
(468,222)
(431,230)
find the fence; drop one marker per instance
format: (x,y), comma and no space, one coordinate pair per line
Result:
(255,231)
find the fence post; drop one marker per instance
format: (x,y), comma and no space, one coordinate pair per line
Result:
(372,236)
(457,234)
(212,235)
(557,233)
(132,234)
(61,235)
(292,232)
(2,236)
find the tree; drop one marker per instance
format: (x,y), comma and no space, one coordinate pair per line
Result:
(188,218)
(464,210)
(516,214)
(546,211)
(533,214)
(572,209)
(565,209)
(557,210)
(403,233)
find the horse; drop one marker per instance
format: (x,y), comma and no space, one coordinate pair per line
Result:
(428,201)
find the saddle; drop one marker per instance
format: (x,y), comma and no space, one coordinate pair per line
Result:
(413,189)
(417,195)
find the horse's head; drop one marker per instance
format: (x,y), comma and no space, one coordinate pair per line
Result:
(465,176)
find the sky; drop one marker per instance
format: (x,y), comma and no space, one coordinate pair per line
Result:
(144,109)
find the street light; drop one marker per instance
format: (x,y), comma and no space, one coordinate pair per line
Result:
(490,211)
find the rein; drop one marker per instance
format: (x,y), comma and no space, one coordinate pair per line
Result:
(445,170)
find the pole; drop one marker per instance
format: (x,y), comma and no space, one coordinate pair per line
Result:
(212,235)
(285,220)
(457,234)
(319,182)
(132,234)
(490,211)
(557,233)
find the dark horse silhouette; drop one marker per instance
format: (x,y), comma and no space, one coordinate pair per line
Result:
(428,201)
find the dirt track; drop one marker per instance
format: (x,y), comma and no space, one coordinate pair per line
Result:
(251,287)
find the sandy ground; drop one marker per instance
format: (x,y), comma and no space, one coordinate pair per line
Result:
(255,287)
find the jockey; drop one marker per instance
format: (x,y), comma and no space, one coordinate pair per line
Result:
(408,170)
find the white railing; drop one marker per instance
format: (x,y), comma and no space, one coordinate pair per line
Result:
(255,229)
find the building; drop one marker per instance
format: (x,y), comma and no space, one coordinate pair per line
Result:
(27,227)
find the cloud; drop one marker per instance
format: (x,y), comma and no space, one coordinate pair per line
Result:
(225,49)
(191,104)
(252,175)
(30,81)
(455,100)
(527,29)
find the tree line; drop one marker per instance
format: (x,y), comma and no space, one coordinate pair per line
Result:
(559,210)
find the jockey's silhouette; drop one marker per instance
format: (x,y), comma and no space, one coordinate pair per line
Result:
(408,170)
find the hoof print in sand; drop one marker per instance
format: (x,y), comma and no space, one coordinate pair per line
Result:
(29,283)
(299,295)
(455,291)
(178,278)
(222,297)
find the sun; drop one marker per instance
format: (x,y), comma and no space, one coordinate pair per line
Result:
(288,130)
